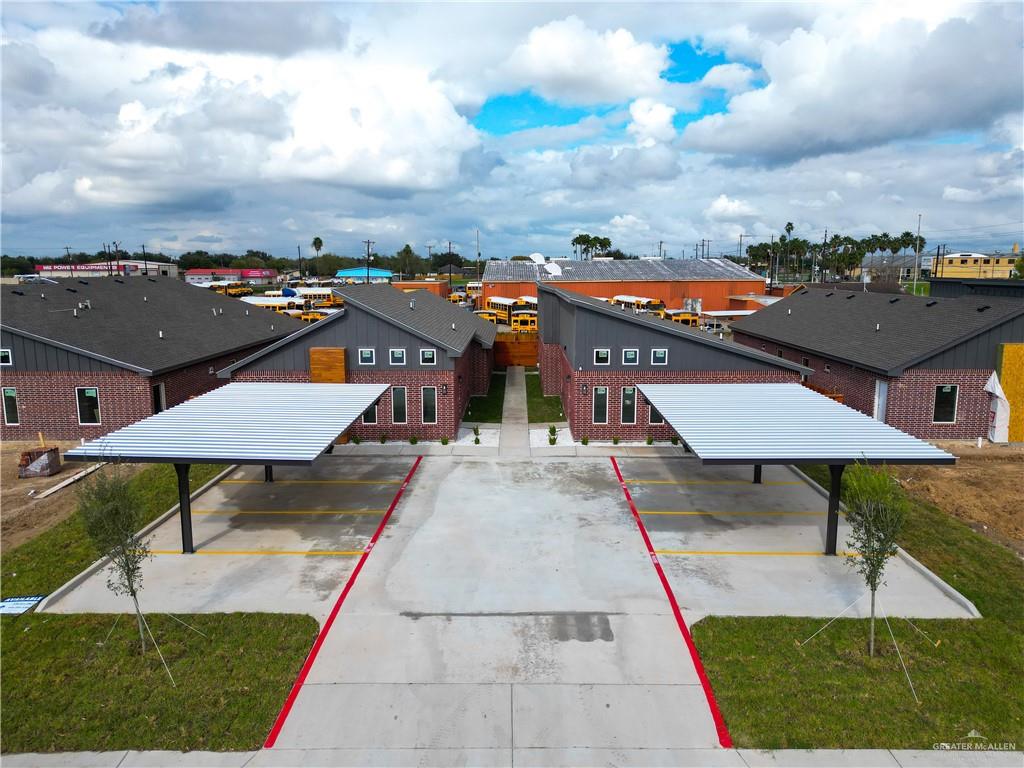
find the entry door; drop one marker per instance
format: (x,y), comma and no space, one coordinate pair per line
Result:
(881,397)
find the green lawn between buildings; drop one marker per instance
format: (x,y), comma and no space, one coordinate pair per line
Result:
(67,687)
(488,409)
(540,409)
(775,694)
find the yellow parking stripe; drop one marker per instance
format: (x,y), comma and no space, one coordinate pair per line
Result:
(288,511)
(300,553)
(710,482)
(751,514)
(315,482)
(753,553)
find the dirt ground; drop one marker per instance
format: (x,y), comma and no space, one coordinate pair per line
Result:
(23,517)
(985,489)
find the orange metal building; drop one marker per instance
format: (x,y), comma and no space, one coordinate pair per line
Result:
(436,287)
(672,281)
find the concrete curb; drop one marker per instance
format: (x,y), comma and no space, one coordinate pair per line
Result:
(905,556)
(62,590)
(951,593)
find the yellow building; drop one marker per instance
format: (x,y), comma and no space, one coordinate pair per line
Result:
(997,266)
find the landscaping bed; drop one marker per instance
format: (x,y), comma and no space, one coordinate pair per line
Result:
(539,408)
(488,409)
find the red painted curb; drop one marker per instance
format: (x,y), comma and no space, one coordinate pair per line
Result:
(293,694)
(716,714)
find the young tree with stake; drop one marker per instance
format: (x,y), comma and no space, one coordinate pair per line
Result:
(112,512)
(875,512)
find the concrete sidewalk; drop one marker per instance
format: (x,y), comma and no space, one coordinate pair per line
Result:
(350,758)
(515,427)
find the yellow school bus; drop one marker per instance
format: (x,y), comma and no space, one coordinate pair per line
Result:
(486,314)
(640,304)
(524,321)
(683,316)
(501,307)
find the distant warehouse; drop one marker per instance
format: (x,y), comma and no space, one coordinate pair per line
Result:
(695,284)
(81,358)
(109,268)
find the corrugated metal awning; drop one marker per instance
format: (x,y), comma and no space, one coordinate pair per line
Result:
(781,424)
(240,423)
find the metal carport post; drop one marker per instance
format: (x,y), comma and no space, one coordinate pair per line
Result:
(239,423)
(784,424)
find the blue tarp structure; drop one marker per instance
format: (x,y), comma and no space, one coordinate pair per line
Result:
(359,274)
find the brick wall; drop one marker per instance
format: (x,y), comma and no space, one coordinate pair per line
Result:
(47,403)
(558,378)
(911,397)
(193,380)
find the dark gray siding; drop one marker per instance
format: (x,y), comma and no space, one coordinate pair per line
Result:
(980,351)
(356,329)
(951,289)
(32,355)
(595,330)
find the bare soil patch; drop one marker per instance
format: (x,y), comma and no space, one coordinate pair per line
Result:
(985,489)
(23,517)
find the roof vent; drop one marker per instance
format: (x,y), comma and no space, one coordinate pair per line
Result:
(271,326)
(18,293)
(42,296)
(220,311)
(412,304)
(830,293)
(983,307)
(850,296)
(119,280)
(931,303)
(453,326)
(145,298)
(71,290)
(789,311)
(74,313)
(83,282)
(214,310)
(894,299)
(878,327)
(804,292)
(247,313)
(160,334)
(151,279)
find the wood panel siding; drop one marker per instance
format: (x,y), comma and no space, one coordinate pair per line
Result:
(327,365)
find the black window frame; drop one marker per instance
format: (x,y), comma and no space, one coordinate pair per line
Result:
(956,403)
(78,406)
(372,408)
(405,405)
(593,405)
(17,411)
(622,406)
(423,405)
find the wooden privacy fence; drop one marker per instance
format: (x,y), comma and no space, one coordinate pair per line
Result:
(515,349)
(832,395)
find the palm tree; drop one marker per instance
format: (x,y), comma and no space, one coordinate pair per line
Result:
(317,245)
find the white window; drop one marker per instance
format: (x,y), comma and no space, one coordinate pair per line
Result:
(428,357)
(429,408)
(659,357)
(630,356)
(367,356)
(600,405)
(370,415)
(944,410)
(88,405)
(627,413)
(398,357)
(602,356)
(11,407)
(398,409)
(5,357)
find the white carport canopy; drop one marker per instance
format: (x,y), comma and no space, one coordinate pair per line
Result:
(784,424)
(239,423)
(781,424)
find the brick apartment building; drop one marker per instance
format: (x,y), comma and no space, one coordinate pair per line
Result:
(918,363)
(594,354)
(80,358)
(433,354)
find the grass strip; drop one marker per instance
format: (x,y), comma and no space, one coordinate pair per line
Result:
(777,694)
(539,408)
(49,560)
(65,689)
(488,409)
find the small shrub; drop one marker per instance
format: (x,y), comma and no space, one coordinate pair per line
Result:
(650,440)
(476,431)
(356,440)
(552,439)
(444,441)
(675,440)
(552,431)
(615,440)
(413,440)
(584,440)
(383,439)
(476,441)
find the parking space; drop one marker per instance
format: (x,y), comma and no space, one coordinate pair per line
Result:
(732,547)
(286,546)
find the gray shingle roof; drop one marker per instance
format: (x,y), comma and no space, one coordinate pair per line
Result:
(841,325)
(623,269)
(122,326)
(433,318)
(668,326)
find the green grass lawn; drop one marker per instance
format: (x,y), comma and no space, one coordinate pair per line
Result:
(539,408)
(65,689)
(488,409)
(777,694)
(49,560)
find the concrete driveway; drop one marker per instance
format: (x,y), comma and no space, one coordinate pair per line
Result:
(279,547)
(731,547)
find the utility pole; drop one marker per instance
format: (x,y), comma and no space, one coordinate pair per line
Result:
(771,262)
(449,265)
(106,251)
(67,250)
(369,244)
(145,265)
(824,245)
(660,244)
(429,254)
(478,255)
(917,253)
(298,250)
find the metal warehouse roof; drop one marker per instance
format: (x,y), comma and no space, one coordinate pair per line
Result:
(240,423)
(619,270)
(781,424)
